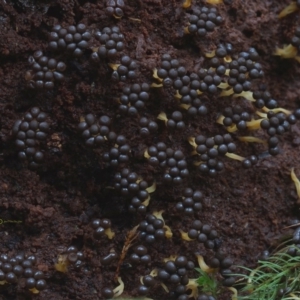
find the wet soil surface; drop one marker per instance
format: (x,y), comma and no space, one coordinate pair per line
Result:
(53,207)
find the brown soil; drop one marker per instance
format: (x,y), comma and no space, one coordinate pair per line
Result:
(56,204)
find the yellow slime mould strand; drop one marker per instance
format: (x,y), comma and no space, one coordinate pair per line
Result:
(171,257)
(210,54)
(247,95)
(223,85)
(135,20)
(235,293)
(119,289)
(154,273)
(186,30)
(193,286)
(62,263)
(2,282)
(146,154)
(277,110)
(254,124)
(214,2)
(168,232)
(155,75)
(116,17)
(261,114)
(225,93)
(192,142)
(162,116)
(227,72)
(185,106)
(228,58)
(288,51)
(109,233)
(177,95)
(297,58)
(220,120)
(292,7)
(147,201)
(197,163)
(34,291)
(158,215)
(114,66)
(165,287)
(235,156)
(203,266)
(231,128)
(185,236)
(187,3)
(194,152)
(251,139)
(296,182)
(151,188)
(156,85)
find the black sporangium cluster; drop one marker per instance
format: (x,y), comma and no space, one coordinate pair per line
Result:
(264,99)
(204,234)
(191,202)
(204,20)
(237,116)
(115,8)
(112,43)
(127,69)
(134,98)
(176,121)
(20,266)
(148,282)
(209,149)
(73,39)
(209,81)
(191,99)
(174,273)
(277,124)
(69,256)
(172,161)
(129,185)
(243,69)
(140,255)
(30,133)
(118,154)
(224,263)
(147,127)
(74,257)
(100,226)
(126,182)
(152,229)
(172,73)
(95,131)
(44,71)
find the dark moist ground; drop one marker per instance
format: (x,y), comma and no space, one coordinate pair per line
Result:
(56,204)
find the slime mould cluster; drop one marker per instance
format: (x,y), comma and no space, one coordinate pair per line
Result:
(20,267)
(179,133)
